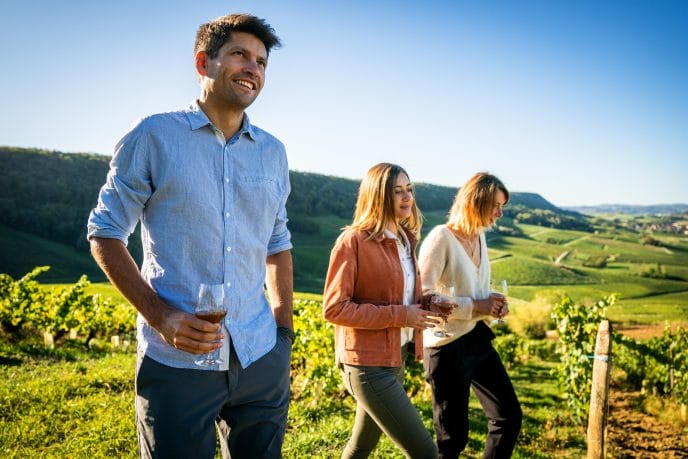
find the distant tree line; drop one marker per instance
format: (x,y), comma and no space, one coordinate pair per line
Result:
(50,194)
(548,218)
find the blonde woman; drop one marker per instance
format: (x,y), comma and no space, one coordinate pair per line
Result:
(455,255)
(373,296)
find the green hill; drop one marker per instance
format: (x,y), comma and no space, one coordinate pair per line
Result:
(21,252)
(45,198)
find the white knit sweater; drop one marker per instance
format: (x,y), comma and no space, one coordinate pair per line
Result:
(444,263)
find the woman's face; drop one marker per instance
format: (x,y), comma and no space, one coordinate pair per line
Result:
(403,197)
(497,208)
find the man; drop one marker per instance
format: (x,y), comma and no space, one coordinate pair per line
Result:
(210,191)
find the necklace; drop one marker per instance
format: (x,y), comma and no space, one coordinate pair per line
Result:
(470,245)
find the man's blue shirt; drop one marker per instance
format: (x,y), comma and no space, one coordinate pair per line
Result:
(211,211)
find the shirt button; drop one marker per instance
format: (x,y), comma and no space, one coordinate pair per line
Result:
(226,180)
(229,284)
(227,214)
(229,249)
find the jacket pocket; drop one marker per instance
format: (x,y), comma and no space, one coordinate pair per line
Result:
(364,340)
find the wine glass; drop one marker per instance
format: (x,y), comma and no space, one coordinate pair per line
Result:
(446,308)
(210,307)
(504,289)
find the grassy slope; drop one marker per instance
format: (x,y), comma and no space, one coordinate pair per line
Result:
(529,265)
(539,267)
(67,264)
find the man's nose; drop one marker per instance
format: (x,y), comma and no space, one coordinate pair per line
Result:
(252,67)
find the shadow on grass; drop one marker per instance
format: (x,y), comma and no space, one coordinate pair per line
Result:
(10,361)
(17,352)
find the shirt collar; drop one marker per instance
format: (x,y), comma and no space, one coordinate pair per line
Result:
(197,119)
(391,235)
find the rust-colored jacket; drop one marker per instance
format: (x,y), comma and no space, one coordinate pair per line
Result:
(363,297)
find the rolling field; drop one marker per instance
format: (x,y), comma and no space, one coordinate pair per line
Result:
(652,282)
(550,262)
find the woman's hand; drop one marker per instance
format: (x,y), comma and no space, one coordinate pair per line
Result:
(495,305)
(419,318)
(441,305)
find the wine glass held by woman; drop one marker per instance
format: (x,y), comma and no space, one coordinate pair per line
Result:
(456,254)
(443,305)
(373,297)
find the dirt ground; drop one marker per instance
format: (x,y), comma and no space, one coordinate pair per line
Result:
(644,331)
(631,433)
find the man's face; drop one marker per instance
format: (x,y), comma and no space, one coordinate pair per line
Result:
(237,74)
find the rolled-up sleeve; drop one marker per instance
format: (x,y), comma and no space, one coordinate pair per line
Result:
(123,196)
(281,237)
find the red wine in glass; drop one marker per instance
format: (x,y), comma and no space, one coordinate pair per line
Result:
(213,317)
(445,308)
(210,307)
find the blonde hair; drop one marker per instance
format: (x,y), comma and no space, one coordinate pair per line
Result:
(474,203)
(375,203)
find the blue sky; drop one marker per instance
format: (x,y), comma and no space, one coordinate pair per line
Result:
(584,102)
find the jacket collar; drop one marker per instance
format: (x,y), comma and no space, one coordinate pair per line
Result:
(412,239)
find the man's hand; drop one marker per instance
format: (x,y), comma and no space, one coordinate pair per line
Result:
(188,333)
(180,329)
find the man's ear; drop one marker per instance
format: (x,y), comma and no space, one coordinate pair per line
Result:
(201,63)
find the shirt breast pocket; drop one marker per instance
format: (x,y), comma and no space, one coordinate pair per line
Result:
(258,202)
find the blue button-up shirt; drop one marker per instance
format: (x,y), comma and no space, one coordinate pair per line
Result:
(211,211)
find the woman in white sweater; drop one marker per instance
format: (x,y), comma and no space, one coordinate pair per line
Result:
(454,255)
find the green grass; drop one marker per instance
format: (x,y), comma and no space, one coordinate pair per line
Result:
(526,271)
(72,403)
(65,403)
(551,236)
(531,247)
(534,278)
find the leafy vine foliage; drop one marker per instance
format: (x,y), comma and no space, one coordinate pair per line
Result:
(25,305)
(577,327)
(658,365)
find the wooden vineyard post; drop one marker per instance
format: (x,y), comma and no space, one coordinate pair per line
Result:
(48,340)
(599,396)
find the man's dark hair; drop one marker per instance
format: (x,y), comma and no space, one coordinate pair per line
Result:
(214,34)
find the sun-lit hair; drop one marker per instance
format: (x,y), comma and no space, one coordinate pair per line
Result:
(212,35)
(375,203)
(474,204)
